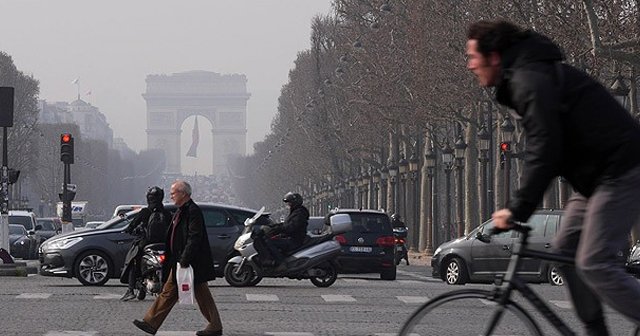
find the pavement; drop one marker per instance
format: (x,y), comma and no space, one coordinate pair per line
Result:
(419,258)
(20,268)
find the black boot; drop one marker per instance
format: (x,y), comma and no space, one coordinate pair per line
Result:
(129,295)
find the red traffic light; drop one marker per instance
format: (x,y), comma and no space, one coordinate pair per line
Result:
(505,147)
(65,138)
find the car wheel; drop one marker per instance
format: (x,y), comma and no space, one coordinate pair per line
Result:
(239,277)
(455,273)
(389,274)
(329,277)
(92,268)
(554,276)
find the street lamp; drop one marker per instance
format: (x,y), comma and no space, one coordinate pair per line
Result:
(403,168)
(432,233)
(393,172)
(375,176)
(384,176)
(484,143)
(447,159)
(507,132)
(366,181)
(413,169)
(460,147)
(620,91)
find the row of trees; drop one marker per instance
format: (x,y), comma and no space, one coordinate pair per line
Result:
(105,177)
(386,79)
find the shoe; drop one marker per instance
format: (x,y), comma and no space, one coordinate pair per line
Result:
(407,262)
(129,295)
(146,327)
(209,333)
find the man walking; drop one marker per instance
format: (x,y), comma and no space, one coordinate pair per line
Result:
(187,245)
(574,128)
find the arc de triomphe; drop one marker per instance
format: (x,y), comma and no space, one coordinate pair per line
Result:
(222,99)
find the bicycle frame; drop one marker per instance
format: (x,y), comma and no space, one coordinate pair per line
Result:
(511,282)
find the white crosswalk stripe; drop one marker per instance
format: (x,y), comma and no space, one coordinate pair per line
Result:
(33,296)
(413,299)
(288,333)
(107,297)
(262,297)
(175,333)
(392,334)
(71,333)
(338,298)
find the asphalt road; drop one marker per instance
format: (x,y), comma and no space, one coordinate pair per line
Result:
(354,305)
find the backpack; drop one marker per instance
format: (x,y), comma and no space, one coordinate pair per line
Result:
(157,226)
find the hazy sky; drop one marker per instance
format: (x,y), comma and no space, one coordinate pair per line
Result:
(113,45)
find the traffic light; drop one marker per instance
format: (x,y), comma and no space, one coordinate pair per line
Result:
(505,147)
(66,148)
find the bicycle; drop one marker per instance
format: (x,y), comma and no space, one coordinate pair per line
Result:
(508,317)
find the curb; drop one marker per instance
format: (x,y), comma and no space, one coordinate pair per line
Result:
(15,269)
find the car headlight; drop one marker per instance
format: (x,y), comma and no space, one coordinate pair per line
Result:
(61,244)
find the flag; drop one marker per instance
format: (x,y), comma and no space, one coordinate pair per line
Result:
(88,93)
(195,139)
(75,81)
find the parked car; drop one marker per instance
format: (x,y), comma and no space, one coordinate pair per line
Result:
(24,218)
(370,246)
(480,256)
(316,225)
(49,227)
(22,243)
(95,256)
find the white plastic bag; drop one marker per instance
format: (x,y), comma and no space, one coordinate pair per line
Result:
(184,277)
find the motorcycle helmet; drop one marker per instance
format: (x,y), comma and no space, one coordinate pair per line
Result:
(155,195)
(294,198)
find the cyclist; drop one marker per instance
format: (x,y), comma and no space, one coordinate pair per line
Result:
(574,128)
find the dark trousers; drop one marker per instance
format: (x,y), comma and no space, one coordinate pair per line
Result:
(279,247)
(595,230)
(169,297)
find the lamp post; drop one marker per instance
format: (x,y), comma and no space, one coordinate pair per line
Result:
(393,173)
(352,192)
(507,131)
(460,147)
(484,141)
(415,204)
(447,159)
(384,176)
(375,177)
(431,232)
(403,168)
(366,185)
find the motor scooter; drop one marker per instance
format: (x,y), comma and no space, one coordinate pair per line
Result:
(150,280)
(400,235)
(314,260)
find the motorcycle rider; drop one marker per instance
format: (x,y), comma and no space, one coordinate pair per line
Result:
(397,223)
(292,232)
(149,226)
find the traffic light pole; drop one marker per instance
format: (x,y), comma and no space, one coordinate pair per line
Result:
(67,223)
(4,193)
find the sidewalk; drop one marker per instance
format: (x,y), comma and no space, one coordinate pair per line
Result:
(419,258)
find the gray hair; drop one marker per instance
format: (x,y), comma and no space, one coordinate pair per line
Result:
(183,186)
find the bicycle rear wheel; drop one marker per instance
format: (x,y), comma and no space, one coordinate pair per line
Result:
(467,312)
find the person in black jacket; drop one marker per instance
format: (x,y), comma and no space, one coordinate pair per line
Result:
(291,234)
(576,129)
(187,245)
(150,226)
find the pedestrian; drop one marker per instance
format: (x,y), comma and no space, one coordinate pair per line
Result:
(576,129)
(149,226)
(187,245)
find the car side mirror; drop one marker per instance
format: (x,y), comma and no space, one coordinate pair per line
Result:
(31,233)
(483,238)
(38,227)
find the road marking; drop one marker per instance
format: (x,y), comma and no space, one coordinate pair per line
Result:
(72,333)
(175,333)
(107,297)
(33,296)
(562,304)
(488,302)
(394,334)
(355,280)
(417,276)
(262,297)
(287,333)
(410,282)
(413,299)
(338,298)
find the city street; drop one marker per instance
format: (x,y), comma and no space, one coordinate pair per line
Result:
(354,305)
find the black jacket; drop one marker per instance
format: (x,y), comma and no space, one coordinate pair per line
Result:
(574,128)
(190,244)
(295,225)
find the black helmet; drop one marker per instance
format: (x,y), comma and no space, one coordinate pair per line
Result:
(395,217)
(294,198)
(155,195)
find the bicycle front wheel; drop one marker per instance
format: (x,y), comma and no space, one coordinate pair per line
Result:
(468,312)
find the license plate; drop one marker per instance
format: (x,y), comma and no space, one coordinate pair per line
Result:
(365,249)
(399,248)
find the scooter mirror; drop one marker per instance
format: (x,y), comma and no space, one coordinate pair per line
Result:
(253,219)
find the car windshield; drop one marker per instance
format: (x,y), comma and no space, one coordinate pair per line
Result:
(119,221)
(366,223)
(16,230)
(47,224)
(22,220)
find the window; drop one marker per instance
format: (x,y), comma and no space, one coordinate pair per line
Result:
(552,225)
(47,225)
(241,216)
(365,223)
(486,230)
(537,224)
(214,218)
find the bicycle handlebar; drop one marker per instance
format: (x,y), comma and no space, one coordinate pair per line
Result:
(514,226)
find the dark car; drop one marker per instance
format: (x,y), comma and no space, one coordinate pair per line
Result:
(95,256)
(316,225)
(22,243)
(49,227)
(369,246)
(480,256)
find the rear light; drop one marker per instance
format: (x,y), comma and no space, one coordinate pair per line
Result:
(161,258)
(388,241)
(399,241)
(341,239)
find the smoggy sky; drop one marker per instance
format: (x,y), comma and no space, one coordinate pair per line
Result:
(111,46)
